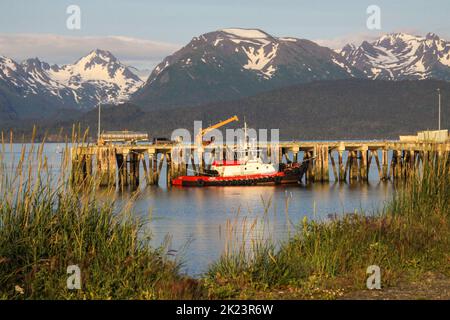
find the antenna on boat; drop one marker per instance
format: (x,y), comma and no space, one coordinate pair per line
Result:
(245,136)
(245,130)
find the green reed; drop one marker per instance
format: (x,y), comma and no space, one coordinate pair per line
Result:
(409,237)
(48,223)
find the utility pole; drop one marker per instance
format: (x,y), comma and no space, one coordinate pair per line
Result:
(439,112)
(98,125)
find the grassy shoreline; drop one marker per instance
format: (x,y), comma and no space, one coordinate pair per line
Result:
(409,238)
(47,224)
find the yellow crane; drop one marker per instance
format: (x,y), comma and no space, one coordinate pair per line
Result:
(200,135)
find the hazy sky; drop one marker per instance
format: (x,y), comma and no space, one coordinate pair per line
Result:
(142,32)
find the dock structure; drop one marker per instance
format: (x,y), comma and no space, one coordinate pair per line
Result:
(340,161)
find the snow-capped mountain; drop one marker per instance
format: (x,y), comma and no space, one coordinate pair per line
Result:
(223,65)
(96,77)
(400,56)
(113,81)
(231,63)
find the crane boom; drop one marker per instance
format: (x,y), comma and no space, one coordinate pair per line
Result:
(200,135)
(218,125)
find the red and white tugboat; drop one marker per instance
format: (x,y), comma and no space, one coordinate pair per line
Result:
(243,173)
(248,170)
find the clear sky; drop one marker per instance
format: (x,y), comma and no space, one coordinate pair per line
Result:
(142,32)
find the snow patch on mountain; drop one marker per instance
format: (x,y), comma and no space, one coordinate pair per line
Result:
(289,39)
(246,33)
(259,59)
(7,65)
(343,66)
(259,48)
(245,36)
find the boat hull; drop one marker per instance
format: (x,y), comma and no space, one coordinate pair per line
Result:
(283,177)
(204,181)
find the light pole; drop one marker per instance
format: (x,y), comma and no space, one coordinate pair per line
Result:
(98,125)
(439,112)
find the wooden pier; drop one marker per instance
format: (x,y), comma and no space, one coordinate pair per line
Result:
(343,161)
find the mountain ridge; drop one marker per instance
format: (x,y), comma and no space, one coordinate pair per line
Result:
(214,67)
(236,63)
(331,110)
(401,56)
(96,77)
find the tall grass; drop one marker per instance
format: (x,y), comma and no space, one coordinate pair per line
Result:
(47,224)
(409,237)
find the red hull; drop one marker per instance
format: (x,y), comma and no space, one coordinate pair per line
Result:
(247,180)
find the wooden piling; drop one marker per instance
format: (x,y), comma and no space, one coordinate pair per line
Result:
(317,164)
(122,168)
(310,170)
(342,173)
(106,165)
(134,169)
(325,164)
(399,164)
(363,164)
(154,169)
(384,164)
(354,166)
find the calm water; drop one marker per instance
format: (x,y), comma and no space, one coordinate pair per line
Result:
(196,218)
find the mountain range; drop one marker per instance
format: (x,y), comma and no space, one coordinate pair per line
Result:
(34,88)
(401,56)
(233,63)
(221,66)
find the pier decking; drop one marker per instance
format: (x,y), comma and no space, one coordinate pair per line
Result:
(340,160)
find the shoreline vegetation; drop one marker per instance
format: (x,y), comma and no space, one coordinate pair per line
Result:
(409,240)
(47,224)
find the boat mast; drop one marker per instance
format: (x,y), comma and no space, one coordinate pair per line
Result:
(245,135)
